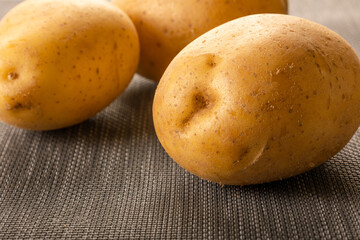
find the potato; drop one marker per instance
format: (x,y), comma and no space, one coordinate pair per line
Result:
(165,27)
(62,61)
(258,99)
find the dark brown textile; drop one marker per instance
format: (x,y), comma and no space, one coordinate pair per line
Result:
(110,178)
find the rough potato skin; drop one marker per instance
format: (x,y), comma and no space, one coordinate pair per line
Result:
(165,27)
(62,61)
(259,99)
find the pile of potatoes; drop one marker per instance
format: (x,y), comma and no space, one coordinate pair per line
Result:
(240,100)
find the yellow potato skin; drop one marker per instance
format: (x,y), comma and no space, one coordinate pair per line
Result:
(165,27)
(62,61)
(259,99)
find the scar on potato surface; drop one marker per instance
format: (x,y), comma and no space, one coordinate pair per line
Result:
(242,155)
(250,155)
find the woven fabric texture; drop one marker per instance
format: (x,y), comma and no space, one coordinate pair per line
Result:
(109,177)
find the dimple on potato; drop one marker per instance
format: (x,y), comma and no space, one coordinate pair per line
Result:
(165,27)
(62,61)
(258,99)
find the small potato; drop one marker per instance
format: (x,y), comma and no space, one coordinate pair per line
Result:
(167,26)
(62,61)
(258,99)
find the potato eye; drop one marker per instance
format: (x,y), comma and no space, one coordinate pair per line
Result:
(13,76)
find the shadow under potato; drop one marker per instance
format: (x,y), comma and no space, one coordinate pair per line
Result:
(32,163)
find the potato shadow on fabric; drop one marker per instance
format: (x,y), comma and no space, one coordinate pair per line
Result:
(303,199)
(322,182)
(76,155)
(293,199)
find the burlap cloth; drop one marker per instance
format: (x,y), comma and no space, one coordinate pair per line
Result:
(110,178)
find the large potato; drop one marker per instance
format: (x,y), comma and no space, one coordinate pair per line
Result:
(258,99)
(167,26)
(62,61)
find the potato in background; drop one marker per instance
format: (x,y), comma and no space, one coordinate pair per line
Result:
(167,26)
